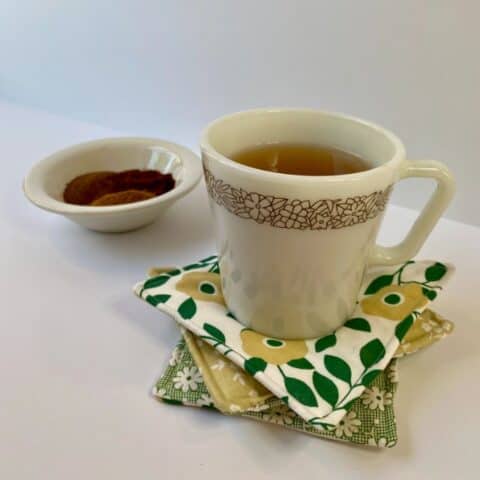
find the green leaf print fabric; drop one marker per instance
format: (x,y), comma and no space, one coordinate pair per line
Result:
(317,378)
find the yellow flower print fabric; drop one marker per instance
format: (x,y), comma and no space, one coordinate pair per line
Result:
(395,302)
(272,350)
(203,286)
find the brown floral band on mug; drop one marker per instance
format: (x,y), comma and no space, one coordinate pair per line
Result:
(297,214)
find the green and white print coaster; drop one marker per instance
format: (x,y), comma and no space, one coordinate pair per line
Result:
(317,378)
(370,420)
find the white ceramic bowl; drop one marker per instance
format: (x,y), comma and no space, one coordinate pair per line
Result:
(46,181)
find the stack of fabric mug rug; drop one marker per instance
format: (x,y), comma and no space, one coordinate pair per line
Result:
(340,386)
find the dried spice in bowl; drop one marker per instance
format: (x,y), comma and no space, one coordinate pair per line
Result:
(117,188)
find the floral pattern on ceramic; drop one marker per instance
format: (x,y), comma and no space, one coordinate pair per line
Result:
(279,212)
(317,378)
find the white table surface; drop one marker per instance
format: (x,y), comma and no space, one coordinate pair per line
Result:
(79,352)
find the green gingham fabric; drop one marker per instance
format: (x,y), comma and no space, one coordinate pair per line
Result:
(369,421)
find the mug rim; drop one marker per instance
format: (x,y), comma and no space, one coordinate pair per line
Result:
(206,146)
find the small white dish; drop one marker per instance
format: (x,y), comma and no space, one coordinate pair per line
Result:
(46,181)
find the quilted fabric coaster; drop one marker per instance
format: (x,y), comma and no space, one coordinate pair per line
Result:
(370,420)
(234,391)
(199,376)
(231,388)
(317,378)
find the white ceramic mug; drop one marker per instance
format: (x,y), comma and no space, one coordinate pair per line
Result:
(293,249)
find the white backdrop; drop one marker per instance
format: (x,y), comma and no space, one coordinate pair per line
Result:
(165,68)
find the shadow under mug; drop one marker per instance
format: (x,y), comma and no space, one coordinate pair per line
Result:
(293,249)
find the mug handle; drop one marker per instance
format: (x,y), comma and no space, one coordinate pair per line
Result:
(429,216)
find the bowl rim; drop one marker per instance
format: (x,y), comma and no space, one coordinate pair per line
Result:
(34,191)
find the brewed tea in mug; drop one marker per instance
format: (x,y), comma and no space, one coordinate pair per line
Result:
(301,159)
